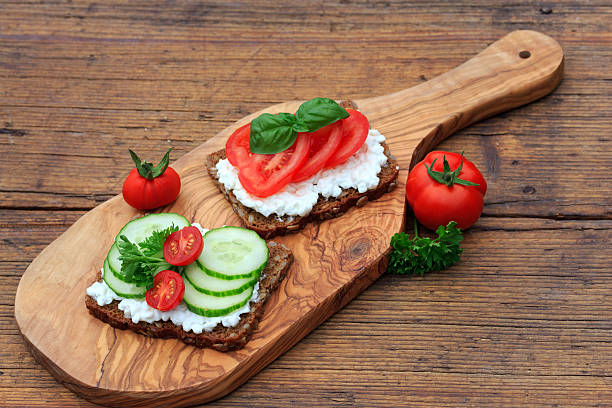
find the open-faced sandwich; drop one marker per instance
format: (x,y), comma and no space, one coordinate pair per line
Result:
(280,172)
(164,277)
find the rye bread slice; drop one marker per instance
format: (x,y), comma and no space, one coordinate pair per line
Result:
(220,338)
(324,208)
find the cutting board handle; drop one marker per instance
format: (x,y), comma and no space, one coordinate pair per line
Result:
(519,68)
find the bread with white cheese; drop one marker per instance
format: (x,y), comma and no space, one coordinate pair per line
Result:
(324,209)
(221,338)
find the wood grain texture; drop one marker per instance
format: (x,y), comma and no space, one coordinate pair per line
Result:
(334,260)
(523,320)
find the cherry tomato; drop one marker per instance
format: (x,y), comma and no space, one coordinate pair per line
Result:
(183,246)
(323,144)
(148,186)
(167,291)
(266,174)
(355,130)
(237,148)
(439,197)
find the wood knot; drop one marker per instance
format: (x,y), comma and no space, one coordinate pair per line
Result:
(355,249)
(529,190)
(360,247)
(524,54)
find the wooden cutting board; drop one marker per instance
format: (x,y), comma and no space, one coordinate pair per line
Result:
(334,260)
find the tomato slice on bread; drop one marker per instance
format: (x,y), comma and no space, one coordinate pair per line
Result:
(266,174)
(237,148)
(183,246)
(323,144)
(167,291)
(355,130)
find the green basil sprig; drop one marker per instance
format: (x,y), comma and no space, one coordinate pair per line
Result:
(274,133)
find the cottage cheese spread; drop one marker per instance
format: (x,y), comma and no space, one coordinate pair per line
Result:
(360,171)
(139,311)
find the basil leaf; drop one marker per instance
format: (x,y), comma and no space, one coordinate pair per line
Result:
(300,127)
(319,112)
(272,133)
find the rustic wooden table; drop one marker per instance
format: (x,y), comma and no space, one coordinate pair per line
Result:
(524,319)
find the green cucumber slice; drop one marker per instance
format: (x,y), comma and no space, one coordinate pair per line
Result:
(114,263)
(203,282)
(139,229)
(213,306)
(233,253)
(123,289)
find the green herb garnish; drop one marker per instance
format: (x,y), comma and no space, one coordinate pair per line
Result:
(420,255)
(148,170)
(447,176)
(140,262)
(274,133)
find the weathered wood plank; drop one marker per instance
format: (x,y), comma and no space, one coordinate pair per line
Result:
(290,388)
(426,329)
(34,147)
(185,130)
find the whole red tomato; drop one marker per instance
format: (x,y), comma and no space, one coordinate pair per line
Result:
(148,186)
(446,187)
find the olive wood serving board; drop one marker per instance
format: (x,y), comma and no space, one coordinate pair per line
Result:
(334,260)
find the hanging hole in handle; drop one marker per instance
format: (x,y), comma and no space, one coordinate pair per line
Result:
(524,54)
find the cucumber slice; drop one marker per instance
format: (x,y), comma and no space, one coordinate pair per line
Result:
(139,229)
(114,263)
(213,306)
(210,285)
(123,289)
(233,253)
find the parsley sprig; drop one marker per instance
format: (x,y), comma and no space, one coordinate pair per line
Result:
(139,262)
(419,255)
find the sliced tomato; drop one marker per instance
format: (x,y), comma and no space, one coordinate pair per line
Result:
(323,144)
(167,291)
(237,148)
(355,130)
(266,174)
(183,246)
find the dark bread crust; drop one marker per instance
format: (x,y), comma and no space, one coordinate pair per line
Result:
(220,338)
(324,209)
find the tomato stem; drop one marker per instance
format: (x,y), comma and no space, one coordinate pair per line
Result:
(148,170)
(448,176)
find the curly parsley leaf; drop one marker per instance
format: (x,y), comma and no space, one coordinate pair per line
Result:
(140,262)
(154,243)
(419,255)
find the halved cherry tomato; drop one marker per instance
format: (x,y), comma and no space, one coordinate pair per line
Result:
(266,174)
(167,291)
(183,246)
(355,130)
(323,144)
(237,148)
